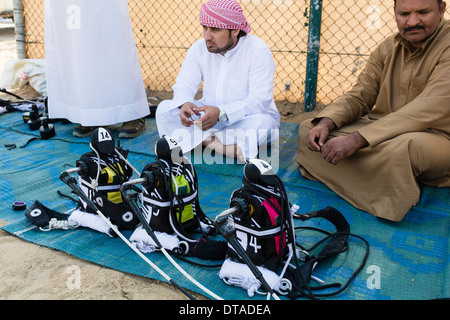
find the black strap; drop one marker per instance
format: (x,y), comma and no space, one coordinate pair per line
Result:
(40,215)
(338,240)
(337,243)
(301,276)
(13,146)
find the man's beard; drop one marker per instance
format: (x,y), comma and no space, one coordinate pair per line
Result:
(225,48)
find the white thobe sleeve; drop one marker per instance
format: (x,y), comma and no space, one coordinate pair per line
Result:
(188,80)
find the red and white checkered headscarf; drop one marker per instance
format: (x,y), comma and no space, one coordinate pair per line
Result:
(225,14)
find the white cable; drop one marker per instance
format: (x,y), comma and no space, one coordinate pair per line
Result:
(126,160)
(189,276)
(113,227)
(94,183)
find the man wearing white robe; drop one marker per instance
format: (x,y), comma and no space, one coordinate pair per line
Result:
(237,112)
(93,73)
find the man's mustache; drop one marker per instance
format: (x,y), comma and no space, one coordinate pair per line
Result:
(414,28)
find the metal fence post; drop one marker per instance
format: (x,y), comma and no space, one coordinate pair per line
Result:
(312,60)
(19,29)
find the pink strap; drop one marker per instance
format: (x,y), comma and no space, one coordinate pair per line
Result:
(273,215)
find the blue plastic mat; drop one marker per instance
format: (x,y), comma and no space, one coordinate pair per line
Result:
(407,260)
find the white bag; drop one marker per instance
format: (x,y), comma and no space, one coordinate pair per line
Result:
(18,72)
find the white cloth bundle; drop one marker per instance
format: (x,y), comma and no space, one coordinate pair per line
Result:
(90,220)
(144,243)
(18,72)
(240,275)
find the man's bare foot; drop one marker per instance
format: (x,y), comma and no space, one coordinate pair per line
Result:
(231,150)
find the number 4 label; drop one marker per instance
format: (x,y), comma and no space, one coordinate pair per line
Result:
(243,239)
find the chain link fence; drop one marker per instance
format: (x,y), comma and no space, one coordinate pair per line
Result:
(164,30)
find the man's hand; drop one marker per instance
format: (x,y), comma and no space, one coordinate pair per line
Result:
(336,149)
(318,135)
(209,118)
(188,110)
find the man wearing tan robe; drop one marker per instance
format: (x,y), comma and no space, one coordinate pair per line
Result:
(392,130)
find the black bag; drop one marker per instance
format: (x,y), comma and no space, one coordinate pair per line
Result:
(100,178)
(262,233)
(170,202)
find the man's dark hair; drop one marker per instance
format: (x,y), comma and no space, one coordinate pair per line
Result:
(243,34)
(439,2)
(240,34)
